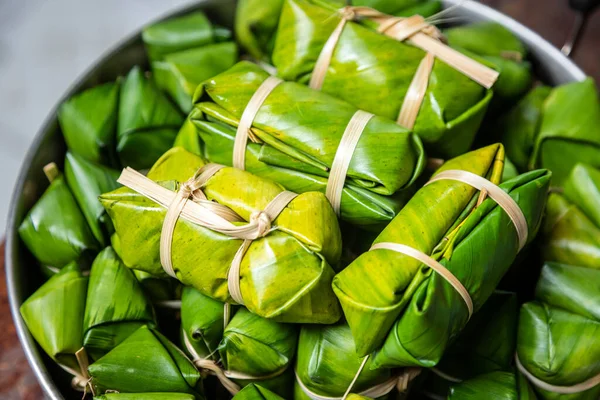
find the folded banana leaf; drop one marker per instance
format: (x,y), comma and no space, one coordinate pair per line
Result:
(261,348)
(558,332)
(146,362)
(582,187)
(256,392)
(202,321)
(145,396)
(568,235)
(178,74)
(502,50)
(367,63)
(300,142)
(256,20)
(181,33)
(434,312)
(148,121)
(285,275)
(372,303)
(158,289)
(566,129)
(54,315)
(88,181)
(55,230)
(327,363)
(116,305)
(353,396)
(497,385)
(88,121)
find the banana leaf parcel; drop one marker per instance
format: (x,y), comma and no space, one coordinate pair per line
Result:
(55,230)
(256,392)
(499,385)
(284,275)
(327,364)
(554,129)
(249,349)
(557,343)
(146,362)
(88,181)
(88,122)
(487,344)
(116,305)
(299,143)
(54,316)
(148,121)
(374,71)
(571,232)
(501,49)
(145,396)
(421,308)
(181,33)
(256,20)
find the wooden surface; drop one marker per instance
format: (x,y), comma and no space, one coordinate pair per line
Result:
(551,18)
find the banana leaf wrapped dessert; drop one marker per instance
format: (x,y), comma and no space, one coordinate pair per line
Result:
(146,362)
(148,122)
(88,122)
(145,396)
(557,345)
(499,385)
(54,316)
(327,364)
(256,20)
(554,129)
(256,392)
(571,231)
(55,230)
(116,305)
(419,310)
(285,274)
(88,181)
(248,349)
(297,146)
(499,47)
(318,44)
(181,33)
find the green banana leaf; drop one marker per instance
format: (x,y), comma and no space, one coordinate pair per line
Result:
(54,315)
(148,122)
(502,50)
(202,320)
(300,142)
(497,385)
(557,338)
(582,187)
(258,347)
(256,392)
(181,33)
(285,275)
(55,230)
(116,305)
(555,130)
(367,63)
(327,363)
(353,396)
(371,302)
(146,362)
(156,288)
(178,74)
(434,311)
(88,181)
(145,396)
(568,235)
(256,20)
(88,121)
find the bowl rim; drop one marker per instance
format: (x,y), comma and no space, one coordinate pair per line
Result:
(532,39)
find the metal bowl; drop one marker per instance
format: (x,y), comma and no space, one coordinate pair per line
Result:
(22,274)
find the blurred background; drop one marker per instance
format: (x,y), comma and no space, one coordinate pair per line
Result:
(46,44)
